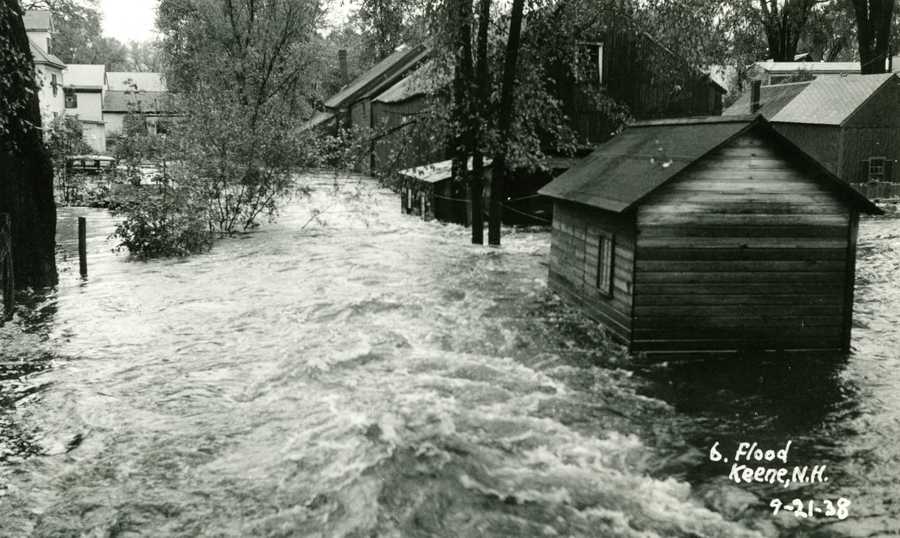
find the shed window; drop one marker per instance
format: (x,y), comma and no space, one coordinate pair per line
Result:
(54,84)
(605,257)
(589,63)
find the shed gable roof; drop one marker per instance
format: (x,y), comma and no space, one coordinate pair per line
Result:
(623,171)
(85,76)
(383,73)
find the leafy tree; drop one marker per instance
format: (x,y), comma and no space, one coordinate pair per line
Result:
(242,69)
(26,175)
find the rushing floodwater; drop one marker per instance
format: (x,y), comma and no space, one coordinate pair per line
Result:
(375,375)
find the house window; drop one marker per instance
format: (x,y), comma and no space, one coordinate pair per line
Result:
(876,168)
(54,84)
(605,260)
(589,63)
(71,99)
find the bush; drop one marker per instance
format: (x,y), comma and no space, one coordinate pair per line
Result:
(162,225)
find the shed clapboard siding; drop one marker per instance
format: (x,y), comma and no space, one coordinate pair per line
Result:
(742,247)
(574,262)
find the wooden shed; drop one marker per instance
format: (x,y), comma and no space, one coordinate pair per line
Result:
(708,235)
(430,192)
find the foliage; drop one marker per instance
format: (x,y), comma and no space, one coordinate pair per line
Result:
(162,225)
(63,137)
(241,69)
(26,174)
(18,83)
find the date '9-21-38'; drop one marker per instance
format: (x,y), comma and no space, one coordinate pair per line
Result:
(839,509)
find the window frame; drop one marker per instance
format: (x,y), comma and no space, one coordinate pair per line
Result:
(74,98)
(877,176)
(596,48)
(606,263)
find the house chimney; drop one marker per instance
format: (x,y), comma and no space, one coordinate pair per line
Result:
(342,62)
(754,96)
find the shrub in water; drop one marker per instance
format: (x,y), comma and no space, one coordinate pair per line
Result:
(162,225)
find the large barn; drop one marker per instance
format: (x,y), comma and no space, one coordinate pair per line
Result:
(708,235)
(849,123)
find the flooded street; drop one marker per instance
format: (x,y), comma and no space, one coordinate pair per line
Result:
(370,374)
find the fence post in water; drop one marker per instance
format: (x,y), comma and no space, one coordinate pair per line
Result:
(82,246)
(6,268)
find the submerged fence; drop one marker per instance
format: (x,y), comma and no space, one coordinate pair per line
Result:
(6,268)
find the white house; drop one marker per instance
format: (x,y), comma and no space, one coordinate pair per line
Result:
(85,86)
(48,68)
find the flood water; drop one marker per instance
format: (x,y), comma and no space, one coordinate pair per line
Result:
(370,374)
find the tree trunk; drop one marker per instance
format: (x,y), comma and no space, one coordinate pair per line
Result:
(482,95)
(26,173)
(504,123)
(873,26)
(461,19)
(784,25)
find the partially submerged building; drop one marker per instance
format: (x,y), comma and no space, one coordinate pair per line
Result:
(708,235)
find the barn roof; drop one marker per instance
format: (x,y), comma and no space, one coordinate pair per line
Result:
(37,20)
(126,80)
(85,76)
(385,72)
(646,155)
(772,99)
(120,101)
(831,100)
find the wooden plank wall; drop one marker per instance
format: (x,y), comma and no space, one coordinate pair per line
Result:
(743,252)
(573,263)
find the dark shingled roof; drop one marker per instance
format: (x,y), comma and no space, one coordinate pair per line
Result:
(624,170)
(381,75)
(772,98)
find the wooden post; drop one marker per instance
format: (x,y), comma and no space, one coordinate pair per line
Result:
(82,246)
(6,268)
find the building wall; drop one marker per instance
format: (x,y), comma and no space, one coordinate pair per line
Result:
(90,106)
(402,144)
(49,102)
(41,38)
(743,251)
(873,131)
(574,263)
(115,123)
(821,141)
(642,75)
